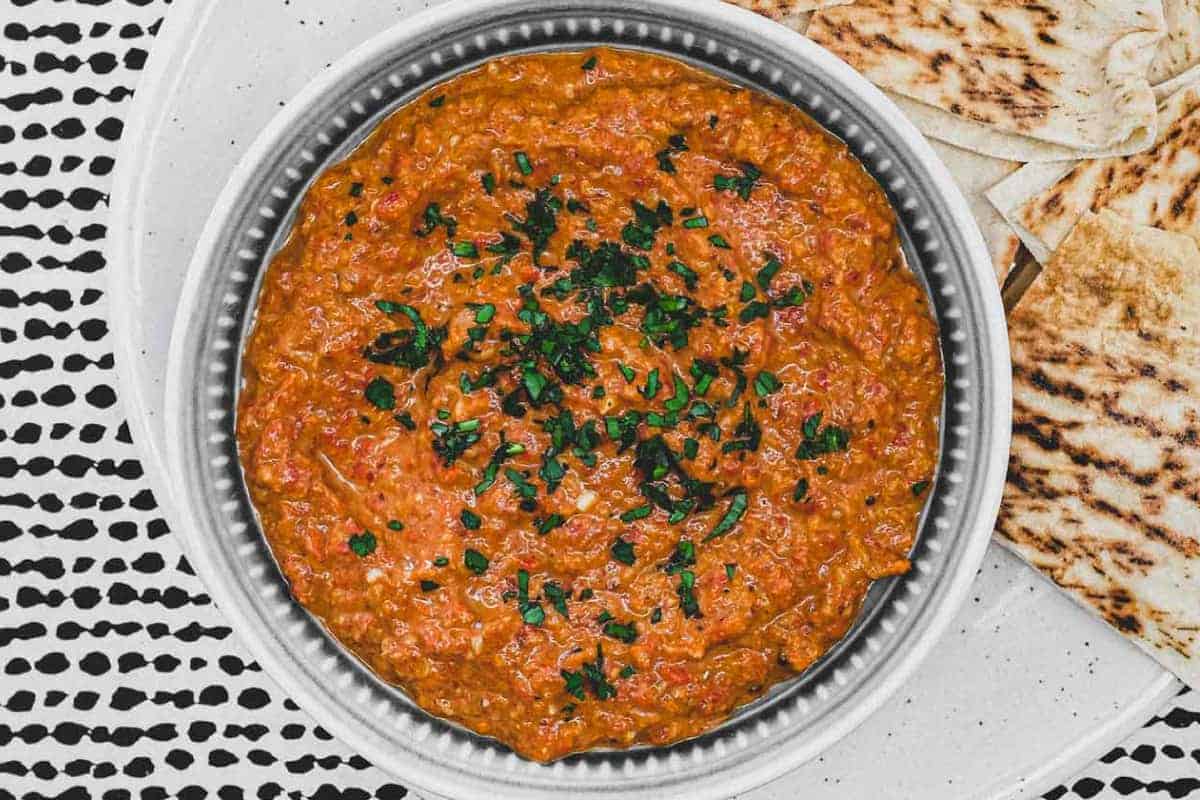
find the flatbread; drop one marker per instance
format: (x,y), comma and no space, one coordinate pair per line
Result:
(1021,81)
(1179,50)
(1103,492)
(1158,187)
(975,174)
(792,13)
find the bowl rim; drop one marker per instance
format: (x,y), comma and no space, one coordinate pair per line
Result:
(258,637)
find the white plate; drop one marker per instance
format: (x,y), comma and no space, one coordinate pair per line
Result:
(1022,691)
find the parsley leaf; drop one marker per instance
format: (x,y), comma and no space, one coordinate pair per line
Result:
(624,632)
(766,383)
(742,184)
(622,551)
(381,394)
(737,509)
(451,441)
(475,561)
(820,441)
(362,544)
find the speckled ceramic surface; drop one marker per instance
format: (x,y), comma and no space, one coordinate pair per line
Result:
(799,719)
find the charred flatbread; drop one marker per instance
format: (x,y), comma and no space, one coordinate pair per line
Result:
(975,174)
(1103,492)
(1020,81)
(792,13)
(1179,49)
(1158,187)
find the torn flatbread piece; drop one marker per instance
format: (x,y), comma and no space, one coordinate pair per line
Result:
(975,174)
(1051,81)
(792,13)
(1158,187)
(1179,50)
(1103,492)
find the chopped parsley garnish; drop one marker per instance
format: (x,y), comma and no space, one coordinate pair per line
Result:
(506,248)
(623,429)
(747,293)
(594,673)
(484,313)
(356,189)
(668,318)
(742,184)
(540,221)
(589,65)
(592,676)
(441,561)
(737,509)
(395,525)
(524,489)
(523,164)
(475,561)
(656,616)
(696,222)
(626,372)
(730,570)
(712,121)
(437,101)
(624,632)
(406,420)
(465,249)
(717,240)
(429,586)
(634,514)
(687,595)
(766,383)
(703,372)
(411,347)
(919,487)
(544,526)
(627,671)
(557,597)
(433,218)
(646,221)
(574,683)
(690,278)
(691,448)
(675,144)
(470,520)
(362,544)
(679,400)
(800,493)
(769,270)
(502,453)
(489,182)
(381,394)
(681,558)
(351,219)
(820,441)
(530,610)
(622,551)
(451,441)
(754,310)
(651,388)
(748,431)
(552,473)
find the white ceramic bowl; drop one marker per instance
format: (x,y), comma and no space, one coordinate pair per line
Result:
(902,617)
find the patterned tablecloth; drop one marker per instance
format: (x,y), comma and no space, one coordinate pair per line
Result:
(120,677)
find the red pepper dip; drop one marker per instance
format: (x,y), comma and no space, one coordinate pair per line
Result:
(588,397)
